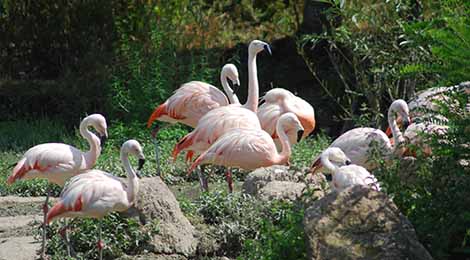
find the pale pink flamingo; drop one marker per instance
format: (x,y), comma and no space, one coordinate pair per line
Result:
(251,148)
(96,193)
(194,99)
(358,143)
(278,101)
(220,120)
(344,173)
(58,162)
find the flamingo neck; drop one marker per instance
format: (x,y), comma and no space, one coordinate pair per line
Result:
(232,97)
(325,160)
(94,143)
(253,87)
(286,150)
(398,138)
(132,179)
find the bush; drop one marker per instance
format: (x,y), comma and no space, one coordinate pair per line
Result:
(436,197)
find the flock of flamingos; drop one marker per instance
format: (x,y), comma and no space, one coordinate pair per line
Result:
(225,133)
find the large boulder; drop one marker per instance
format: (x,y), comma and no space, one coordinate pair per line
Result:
(157,204)
(359,223)
(282,183)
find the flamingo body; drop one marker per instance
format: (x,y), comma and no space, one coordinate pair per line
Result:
(249,148)
(92,194)
(189,103)
(279,101)
(214,124)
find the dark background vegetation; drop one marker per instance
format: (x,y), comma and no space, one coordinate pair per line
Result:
(61,60)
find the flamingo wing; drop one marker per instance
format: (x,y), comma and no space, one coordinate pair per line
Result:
(189,103)
(244,148)
(352,175)
(56,162)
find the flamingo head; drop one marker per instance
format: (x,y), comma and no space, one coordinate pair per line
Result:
(257,46)
(336,156)
(230,71)
(99,123)
(400,107)
(290,122)
(133,147)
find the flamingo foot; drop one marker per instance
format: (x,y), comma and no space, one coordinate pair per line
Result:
(229,179)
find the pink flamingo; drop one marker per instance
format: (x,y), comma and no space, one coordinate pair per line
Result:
(251,148)
(356,143)
(194,99)
(344,173)
(218,121)
(96,193)
(58,162)
(278,101)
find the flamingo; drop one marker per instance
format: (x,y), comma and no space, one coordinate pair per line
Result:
(58,162)
(278,101)
(344,173)
(96,193)
(251,148)
(356,143)
(220,120)
(194,99)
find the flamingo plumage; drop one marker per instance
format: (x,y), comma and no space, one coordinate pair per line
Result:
(96,193)
(58,162)
(194,99)
(251,148)
(344,173)
(278,101)
(357,143)
(218,121)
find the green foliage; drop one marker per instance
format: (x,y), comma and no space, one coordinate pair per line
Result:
(305,150)
(281,236)
(120,235)
(433,192)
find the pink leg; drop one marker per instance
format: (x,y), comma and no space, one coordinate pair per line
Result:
(45,209)
(228,178)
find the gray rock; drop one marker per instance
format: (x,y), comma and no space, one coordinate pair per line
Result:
(281,190)
(157,204)
(282,182)
(359,223)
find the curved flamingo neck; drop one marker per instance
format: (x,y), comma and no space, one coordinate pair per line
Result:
(325,160)
(94,143)
(132,179)
(286,150)
(396,133)
(232,97)
(253,87)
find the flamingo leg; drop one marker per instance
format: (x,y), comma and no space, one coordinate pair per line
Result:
(65,236)
(45,209)
(100,241)
(228,178)
(202,179)
(157,148)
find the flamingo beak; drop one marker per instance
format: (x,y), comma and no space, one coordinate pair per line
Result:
(268,49)
(300,133)
(236,86)
(406,122)
(141,164)
(103,139)
(348,162)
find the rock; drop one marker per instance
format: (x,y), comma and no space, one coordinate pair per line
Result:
(281,190)
(156,203)
(282,182)
(153,257)
(359,223)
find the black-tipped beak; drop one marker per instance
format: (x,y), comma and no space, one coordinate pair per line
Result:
(103,139)
(268,49)
(141,164)
(300,133)
(236,87)
(348,162)
(406,123)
